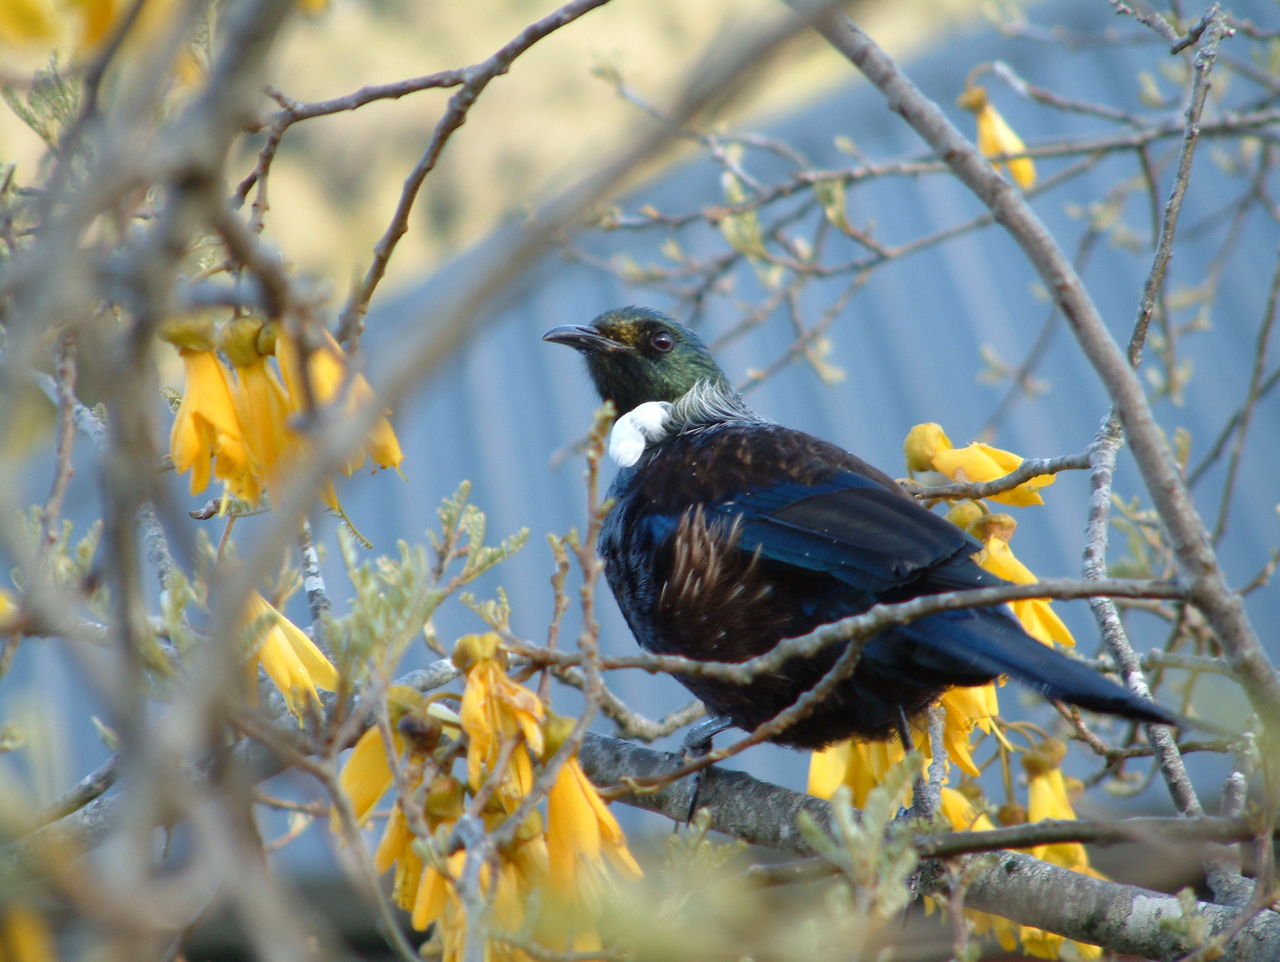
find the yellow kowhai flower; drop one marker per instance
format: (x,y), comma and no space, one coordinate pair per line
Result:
(996,137)
(967,709)
(1036,614)
(81,27)
(366,775)
(28,23)
(8,609)
(580,828)
(862,765)
(509,881)
(1047,799)
(927,448)
(859,764)
(291,660)
(495,711)
(206,426)
(420,886)
(24,935)
(326,373)
(260,402)
(365,778)
(963,816)
(547,879)
(98,17)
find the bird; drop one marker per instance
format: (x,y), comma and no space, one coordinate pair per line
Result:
(729,533)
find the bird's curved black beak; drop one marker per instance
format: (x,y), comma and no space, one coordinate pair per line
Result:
(585,339)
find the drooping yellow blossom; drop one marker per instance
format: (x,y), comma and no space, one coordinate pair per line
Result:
(422,887)
(495,711)
(862,765)
(963,816)
(967,709)
(367,775)
(8,609)
(1047,799)
(237,426)
(1036,614)
(927,448)
(206,426)
(78,29)
(261,405)
(28,23)
(98,17)
(326,374)
(291,660)
(996,137)
(25,936)
(580,827)
(545,882)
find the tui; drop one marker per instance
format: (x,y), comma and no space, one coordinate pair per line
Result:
(730,533)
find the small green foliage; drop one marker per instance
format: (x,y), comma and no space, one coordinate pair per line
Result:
(496,613)
(1144,537)
(817,353)
(462,536)
(180,594)
(846,145)
(51,104)
(68,563)
(692,855)
(395,598)
(740,230)
(1149,93)
(830,194)
(1182,447)
(671,249)
(1191,925)
(873,852)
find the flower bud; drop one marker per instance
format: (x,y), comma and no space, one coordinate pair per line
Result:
(471,649)
(446,798)
(238,340)
(988,526)
(193,333)
(922,443)
(1011,813)
(556,730)
(966,514)
(1044,758)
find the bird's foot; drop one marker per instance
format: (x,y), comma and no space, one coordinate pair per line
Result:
(698,742)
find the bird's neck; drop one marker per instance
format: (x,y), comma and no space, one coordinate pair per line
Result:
(708,402)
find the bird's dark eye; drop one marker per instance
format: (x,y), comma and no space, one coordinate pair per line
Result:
(662,342)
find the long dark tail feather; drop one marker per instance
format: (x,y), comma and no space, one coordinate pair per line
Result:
(992,642)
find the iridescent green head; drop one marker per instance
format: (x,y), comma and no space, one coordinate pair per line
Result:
(635,355)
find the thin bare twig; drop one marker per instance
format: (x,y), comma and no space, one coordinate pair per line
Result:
(477,77)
